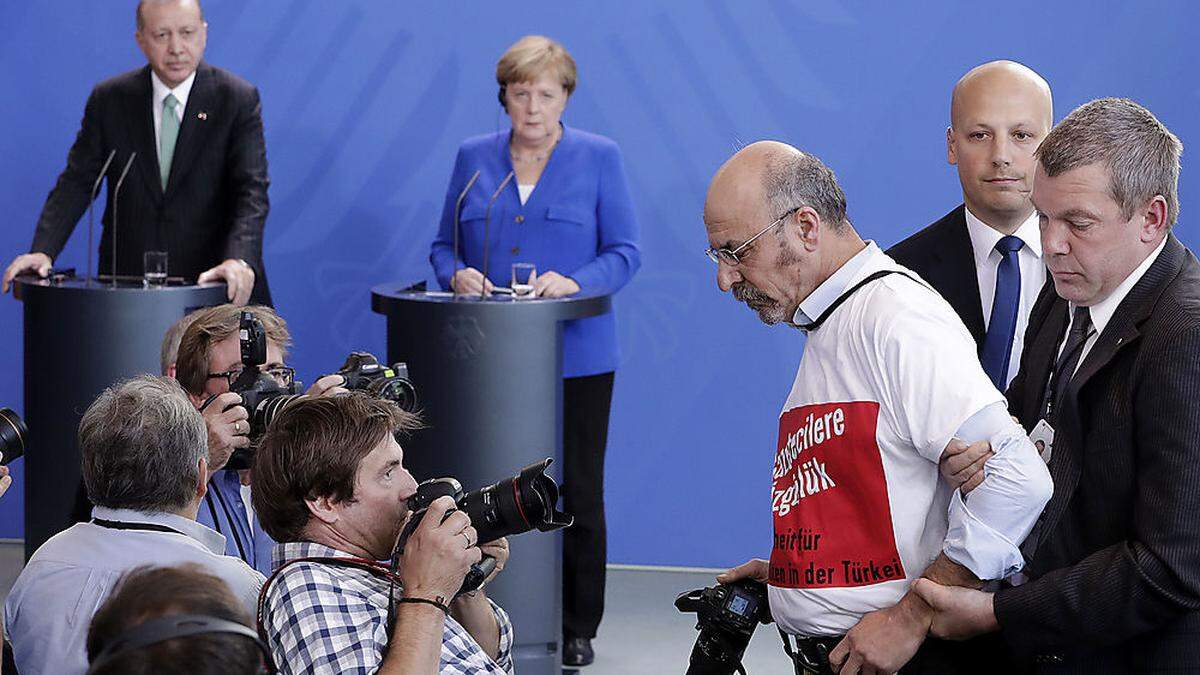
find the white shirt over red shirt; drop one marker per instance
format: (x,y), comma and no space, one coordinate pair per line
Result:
(885,383)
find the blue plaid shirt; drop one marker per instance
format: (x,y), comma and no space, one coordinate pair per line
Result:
(333,619)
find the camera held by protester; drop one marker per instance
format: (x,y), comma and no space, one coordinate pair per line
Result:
(726,616)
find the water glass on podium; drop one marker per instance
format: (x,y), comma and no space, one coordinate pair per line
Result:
(155,268)
(523,276)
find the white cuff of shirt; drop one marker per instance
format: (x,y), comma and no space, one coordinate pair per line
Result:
(973,544)
(1016,488)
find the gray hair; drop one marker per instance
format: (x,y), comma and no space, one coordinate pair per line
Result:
(792,180)
(1141,154)
(141,442)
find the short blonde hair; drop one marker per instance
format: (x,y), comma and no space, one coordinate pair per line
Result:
(532,55)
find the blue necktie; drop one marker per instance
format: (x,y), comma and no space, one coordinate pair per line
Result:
(997,346)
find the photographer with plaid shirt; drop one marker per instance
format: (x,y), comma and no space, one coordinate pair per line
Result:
(329,485)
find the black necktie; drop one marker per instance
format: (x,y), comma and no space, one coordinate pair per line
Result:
(1064,369)
(1068,361)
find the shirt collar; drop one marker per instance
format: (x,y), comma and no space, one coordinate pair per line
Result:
(181,92)
(1102,312)
(293,550)
(824,295)
(984,237)
(212,540)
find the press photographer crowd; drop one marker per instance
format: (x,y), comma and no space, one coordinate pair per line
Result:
(372,572)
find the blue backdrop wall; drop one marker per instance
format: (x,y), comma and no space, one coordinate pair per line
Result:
(365,103)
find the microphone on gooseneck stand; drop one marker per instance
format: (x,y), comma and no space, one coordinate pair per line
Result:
(116,194)
(92,212)
(487,222)
(457,212)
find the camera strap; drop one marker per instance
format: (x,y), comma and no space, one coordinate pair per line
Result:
(122,525)
(375,569)
(810,327)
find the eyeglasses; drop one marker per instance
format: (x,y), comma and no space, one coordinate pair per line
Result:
(724,255)
(283,375)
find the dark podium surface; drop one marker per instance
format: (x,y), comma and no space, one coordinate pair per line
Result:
(489,384)
(79,339)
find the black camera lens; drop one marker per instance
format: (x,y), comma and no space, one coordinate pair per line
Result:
(12,435)
(399,391)
(269,408)
(512,506)
(515,505)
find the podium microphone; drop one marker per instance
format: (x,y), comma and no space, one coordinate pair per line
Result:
(487,222)
(92,211)
(116,194)
(457,212)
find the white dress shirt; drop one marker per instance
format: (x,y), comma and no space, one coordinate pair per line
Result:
(160,94)
(1102,312)
(987,262)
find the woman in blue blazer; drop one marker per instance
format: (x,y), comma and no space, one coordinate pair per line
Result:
(565,208)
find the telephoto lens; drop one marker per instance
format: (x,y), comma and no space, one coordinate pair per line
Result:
(514,505)
(13,435)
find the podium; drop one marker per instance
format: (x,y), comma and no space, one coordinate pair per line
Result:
(80,338)
(488,375)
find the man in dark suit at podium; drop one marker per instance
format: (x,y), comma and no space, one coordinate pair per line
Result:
(985,256)
(198,186)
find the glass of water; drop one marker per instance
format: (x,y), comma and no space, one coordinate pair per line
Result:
(154,268)
(523,276)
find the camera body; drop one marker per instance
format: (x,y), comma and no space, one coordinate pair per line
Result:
(262,396)
(726,616)
(512,506)
(363,372)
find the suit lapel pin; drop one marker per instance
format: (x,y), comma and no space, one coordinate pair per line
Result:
(201,116)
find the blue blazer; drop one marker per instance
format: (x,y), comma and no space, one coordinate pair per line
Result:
(579,222)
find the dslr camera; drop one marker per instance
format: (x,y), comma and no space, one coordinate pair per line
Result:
(512,506)
(262,396)
(726,616)
(363,372)
(12,436)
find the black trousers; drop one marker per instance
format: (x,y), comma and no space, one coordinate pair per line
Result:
(586,404)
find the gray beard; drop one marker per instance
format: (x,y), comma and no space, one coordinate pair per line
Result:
(768,309)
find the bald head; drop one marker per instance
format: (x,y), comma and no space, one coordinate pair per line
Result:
(999,112)
(997,81)
(739,185)
(774,178)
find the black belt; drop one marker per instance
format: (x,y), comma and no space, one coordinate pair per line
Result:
(810,655)
(122,525)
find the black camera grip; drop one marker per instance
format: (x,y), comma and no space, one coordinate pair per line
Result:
(475,576)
